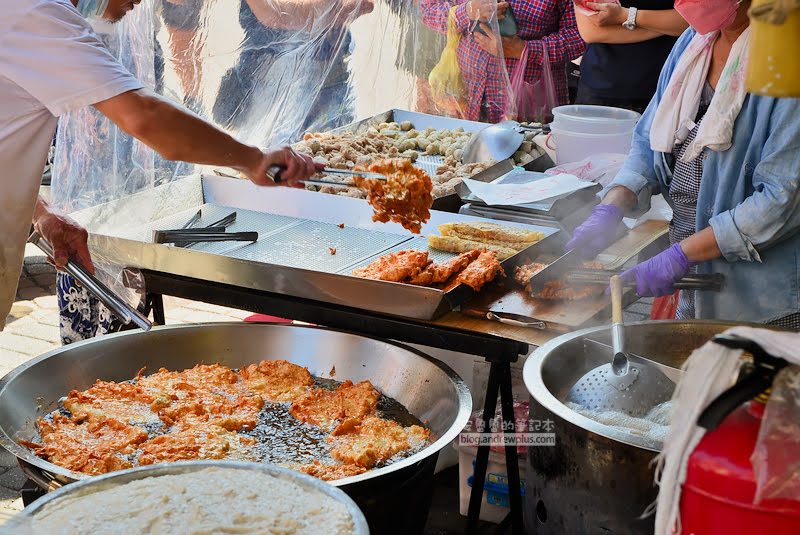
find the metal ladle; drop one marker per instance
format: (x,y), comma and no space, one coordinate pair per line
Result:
(498,141)
(622,386)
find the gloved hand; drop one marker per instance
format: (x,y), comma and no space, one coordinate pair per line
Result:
(597,232)
(656,276)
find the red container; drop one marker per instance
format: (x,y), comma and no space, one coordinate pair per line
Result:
(717,497)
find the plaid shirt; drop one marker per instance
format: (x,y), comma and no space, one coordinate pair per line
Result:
(543,25)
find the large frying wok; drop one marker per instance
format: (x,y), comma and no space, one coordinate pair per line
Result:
(430,390)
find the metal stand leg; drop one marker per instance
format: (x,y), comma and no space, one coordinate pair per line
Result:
(482,458)
(512,460)
(155,302)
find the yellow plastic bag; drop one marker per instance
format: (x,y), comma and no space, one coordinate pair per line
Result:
(447,85)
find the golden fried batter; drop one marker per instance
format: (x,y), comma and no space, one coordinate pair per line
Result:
(93,447)
(212,378)
(207,441)
(395,267)
(125,402)
(373,440)
(404,197)
(276,380)
(329,472)
(480,271)
(325,408)
(231,412)
(441,271)
(523,274)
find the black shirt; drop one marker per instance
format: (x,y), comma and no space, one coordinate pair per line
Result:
(629,71)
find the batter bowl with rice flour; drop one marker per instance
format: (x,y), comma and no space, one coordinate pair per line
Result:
(193,497)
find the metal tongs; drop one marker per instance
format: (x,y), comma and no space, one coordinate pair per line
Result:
(96,287)
(274,174)
(713,282)
(186,236)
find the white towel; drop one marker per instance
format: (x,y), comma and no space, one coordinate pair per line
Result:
(674,118)
(708,372)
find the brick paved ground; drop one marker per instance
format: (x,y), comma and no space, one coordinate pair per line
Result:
(32,329)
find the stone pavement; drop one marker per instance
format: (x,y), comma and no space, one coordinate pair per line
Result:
(32,329)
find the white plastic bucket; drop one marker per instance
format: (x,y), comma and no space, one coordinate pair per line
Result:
(587,119)
(579,131)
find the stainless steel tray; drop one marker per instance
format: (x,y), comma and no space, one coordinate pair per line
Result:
(292,256)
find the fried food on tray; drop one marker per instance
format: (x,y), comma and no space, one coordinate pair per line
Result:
(395,267)
(404,197)
(523,274)
(492,233)
(94,447)
(126,402)
(480,271)
(439,272)
(557,290)
(328,472)
(207,441)
(276,380)
(373,440)
(324,408)
(459,245)
(505,240)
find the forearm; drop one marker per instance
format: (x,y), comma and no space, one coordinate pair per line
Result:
(621,197)
(175,133)
(702,246)
(591,33)
(436,12)
(561,46)
(665,22)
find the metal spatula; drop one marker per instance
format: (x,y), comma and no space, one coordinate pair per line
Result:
(498,141)
(622,386)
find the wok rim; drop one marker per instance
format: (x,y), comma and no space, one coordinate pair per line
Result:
(107,481)
(464,399)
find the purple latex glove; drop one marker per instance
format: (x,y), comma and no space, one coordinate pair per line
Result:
(597,232)
(656,276)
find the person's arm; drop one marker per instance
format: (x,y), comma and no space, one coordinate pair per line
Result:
(592,33)
(771,213)
(65,235)
(305,15)
(562,46)
(701,246)
(436,12)
(663,21)
(177,134)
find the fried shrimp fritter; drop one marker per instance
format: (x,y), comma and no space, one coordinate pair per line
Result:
(94,447)
(395,267)
(523,274)
(276,380)
(404,197)
(324,408)
(208,441)
(480,271)
(126,402)
(328,472)
(373,440)
(441,271)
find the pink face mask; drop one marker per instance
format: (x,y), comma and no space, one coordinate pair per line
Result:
(707,16)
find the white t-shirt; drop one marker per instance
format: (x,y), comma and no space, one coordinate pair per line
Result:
(51,62)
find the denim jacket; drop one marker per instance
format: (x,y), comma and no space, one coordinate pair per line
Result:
(750,196)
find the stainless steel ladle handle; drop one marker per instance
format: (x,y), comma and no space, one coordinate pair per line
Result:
(619,364)
(96,287)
